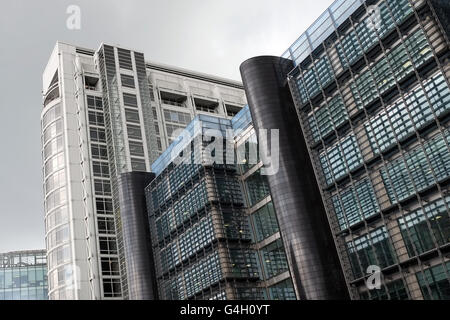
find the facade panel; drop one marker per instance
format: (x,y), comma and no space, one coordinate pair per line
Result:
(23,276)
(382,157)
(208,222)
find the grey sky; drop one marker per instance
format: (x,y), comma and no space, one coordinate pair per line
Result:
(212,36)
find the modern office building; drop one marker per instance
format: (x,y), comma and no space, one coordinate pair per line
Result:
(108,113)
(371,85)
(361,101)
(214,230)
(23,275)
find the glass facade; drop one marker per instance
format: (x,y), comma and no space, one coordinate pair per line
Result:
(23,276)
(206,245)
(56,202)
(434,282)
(265,222)
(373,102)
(426,228)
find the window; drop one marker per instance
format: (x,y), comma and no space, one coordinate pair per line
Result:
(152,93)
(99,152)
(177,117)
(265,222)
(170,256)
(97,135)
(282,291)
(125,59)
(157,128)
(349,49)
(196,238)
(57,217)
(54,164)
(173,99)
(244,263)
(236,224)
(232,110)
(274,259)
(434,282)
(379,130)
(355,203)
(159,143)
(130,100)
(371,249)
(396,176)
(53,147)
(110,267)
(55,181)
(138,165)
(203,274)
(329,116)
(257,188)
(339,160)
(136,149)
(108,245)
(127,81)
(101,169)
(104,206)
(90,83)
(228,189)
(55,199)
(51,115)
(365,87)
(310,83)
(247,154)
(418,236)
(112,288)
(95,103)
(59,256)
(183,210)
(58,236)
(396,290)
(206,105)
(134,132)
(132,116)
(252,294)
(102,187)
(204,108)
(106,225)
(53,130)
(96,118)
(171,129)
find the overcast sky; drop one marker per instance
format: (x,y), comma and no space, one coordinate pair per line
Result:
(211,36)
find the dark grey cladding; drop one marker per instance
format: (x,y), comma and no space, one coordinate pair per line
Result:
(306,234)
(136,235)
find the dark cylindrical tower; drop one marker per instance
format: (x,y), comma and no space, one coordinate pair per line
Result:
(306,234)
(137,247)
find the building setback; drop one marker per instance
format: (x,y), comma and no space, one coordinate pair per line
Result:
(23,275)
(214,229)
(108,113)
(373,101)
